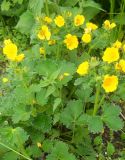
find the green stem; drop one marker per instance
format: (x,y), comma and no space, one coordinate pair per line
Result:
(101,101)
(58,52)
(112,6)
(47,8)
(122,8)
(2,144)
(96,100)
(73,132)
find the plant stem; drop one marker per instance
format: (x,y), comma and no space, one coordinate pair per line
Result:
(112,6)
(2,144)
(58,52)
(73,132)
(47,8)
(101,101)
(122,8)
(96,100)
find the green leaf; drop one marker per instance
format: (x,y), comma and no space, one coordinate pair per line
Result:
(47,145)
(66,67)
(101,39)
(22,95)
(10,156)
(98,140)
(56,103)
(46,67)
(20,114)
(91,3)
(53,8)
(35,87)
(25,23)
(110,149)
(18,1)
(111,117)
(42,122)
(36,6)
(78,81)
(54,75)
(83,120)
(70,3)
(41,97)
(13,136)
(60,152)
(34,151)
(49,91)
(121,90)
(120,18)
(72,112)
(5,6)
(95,124)
(85,88)
(88,5)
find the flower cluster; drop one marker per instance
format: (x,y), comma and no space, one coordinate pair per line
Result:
(111,54)
(72,41)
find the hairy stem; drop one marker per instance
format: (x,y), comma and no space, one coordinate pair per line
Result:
(47,8)
(96,100)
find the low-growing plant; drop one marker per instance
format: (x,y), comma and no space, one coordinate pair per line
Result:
(64,92)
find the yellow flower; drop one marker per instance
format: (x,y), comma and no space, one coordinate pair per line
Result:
(113,25)
(52,42)
(42,50)
(91,26)
(110,83)
(117,44)
(86,38)
(47,20)
(110,55)
(71,41)
(66,74)
(61,77)
(108,25)
(120,66)
(59,21)
(7,41)
(79,20)
(10,50)
(39,145)
(5,80)
(20,57)
(83,68)
(44,33)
